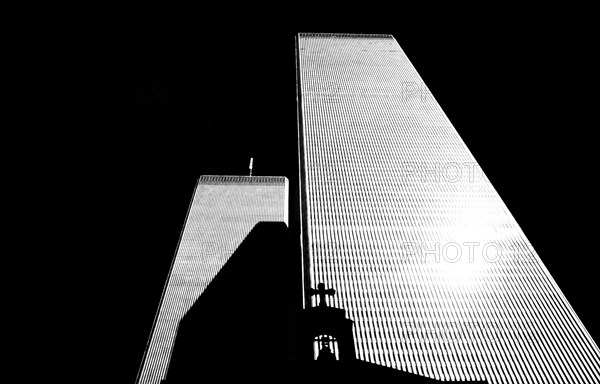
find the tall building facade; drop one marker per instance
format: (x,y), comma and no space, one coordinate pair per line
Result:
(223,211)
(398,217)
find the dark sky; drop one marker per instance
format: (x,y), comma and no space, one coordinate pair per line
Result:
(198,97)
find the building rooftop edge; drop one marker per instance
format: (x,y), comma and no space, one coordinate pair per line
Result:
(238,179)
(355,35)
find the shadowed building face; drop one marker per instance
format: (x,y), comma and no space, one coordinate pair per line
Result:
(222,213)
(399,219)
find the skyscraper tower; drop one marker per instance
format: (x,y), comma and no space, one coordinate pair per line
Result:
(400,220)
(223,211)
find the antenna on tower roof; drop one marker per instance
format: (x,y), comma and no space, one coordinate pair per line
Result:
(251,166)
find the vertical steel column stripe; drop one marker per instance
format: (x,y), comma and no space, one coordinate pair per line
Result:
(223,211)
(302,199)
(402,239)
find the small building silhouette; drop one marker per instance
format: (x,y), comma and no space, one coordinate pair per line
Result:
(248,323)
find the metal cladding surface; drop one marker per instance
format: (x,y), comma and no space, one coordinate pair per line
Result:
(400,220)
(223,211)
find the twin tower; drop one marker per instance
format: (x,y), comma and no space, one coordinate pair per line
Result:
(433,278)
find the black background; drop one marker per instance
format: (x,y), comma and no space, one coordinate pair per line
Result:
(199,91)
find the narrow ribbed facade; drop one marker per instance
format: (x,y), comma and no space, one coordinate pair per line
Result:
(224,209)
(400,220)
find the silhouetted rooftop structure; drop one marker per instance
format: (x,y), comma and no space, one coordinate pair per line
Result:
(230,331)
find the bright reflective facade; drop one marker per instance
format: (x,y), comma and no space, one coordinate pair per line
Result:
(224,209)
(400,220)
